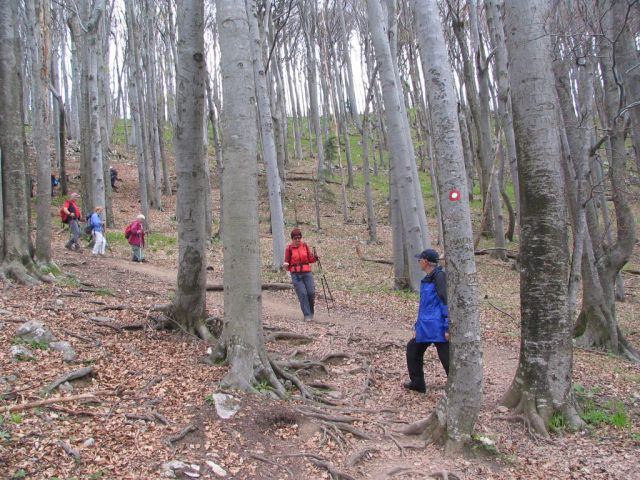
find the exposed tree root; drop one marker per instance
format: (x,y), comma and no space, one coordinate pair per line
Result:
(537,412)
(271,462)
(358,456)
(303,365)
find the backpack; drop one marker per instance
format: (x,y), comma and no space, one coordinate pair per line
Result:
(88,229)
(72,209)
(127,231)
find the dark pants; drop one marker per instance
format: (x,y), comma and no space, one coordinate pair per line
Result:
(74,228)
(415,359)
(305,288)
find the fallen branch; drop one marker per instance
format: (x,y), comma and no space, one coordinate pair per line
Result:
(96,343)
(509,253)
(288,336)
(303,365)
(83,372)
(369,259)
(217,287)
(69,450)
(180,435)
(41,403)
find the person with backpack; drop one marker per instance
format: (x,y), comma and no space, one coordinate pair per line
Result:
(432,325)
(70,214)
(134,233)
(297,260)
(113,176)
(97,227)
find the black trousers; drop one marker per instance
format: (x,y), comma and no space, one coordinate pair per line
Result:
(415,359)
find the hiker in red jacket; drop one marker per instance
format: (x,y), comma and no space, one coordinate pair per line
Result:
(136,238)
(298,258)
(72,217)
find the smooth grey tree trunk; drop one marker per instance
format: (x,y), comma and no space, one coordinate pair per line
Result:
(414,240)
(542,383)
(189,304)
(39,40)
(501,74)
(456,414)
(268,141)
(241,342)
(597,325)
(17,262)
(135,113)
(295,104)
(312,85)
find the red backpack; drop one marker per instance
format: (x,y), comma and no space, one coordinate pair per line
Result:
(127,231)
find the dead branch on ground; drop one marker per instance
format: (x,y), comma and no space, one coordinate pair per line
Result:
(181,434)
(41,403)
(281,335)
(83,372)
(370,259)
(218,287)
(69,450)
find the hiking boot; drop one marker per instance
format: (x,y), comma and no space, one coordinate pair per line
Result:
(416,388)
(308,318)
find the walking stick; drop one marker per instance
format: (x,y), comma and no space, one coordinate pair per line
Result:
(324,283)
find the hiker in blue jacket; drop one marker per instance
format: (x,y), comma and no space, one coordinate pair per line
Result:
(432,325)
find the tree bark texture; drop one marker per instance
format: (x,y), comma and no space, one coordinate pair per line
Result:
(189,303)
(464,386)
(542,384)
(241,342)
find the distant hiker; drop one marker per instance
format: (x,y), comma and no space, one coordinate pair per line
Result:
(54,183)
(298,258)
(432,325)
(70,213)
(97,227)
(134,233)
(113,174)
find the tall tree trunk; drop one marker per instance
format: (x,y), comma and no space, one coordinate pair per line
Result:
(597,325)
(542,384)
(16,260)
(456,414)
(414,236)
(39,38)
(268,141)
(189,304)
(312,83)
(241,342)
(501,74)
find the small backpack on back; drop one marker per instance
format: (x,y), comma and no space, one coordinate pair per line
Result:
(127,231)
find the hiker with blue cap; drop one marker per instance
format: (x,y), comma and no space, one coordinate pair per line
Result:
(432,325)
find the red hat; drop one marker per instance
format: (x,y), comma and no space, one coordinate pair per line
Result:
(295,232)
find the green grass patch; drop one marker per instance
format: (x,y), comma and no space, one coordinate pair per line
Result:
(69,281)
(34,344)
(105,292)
(52,269)
(613,414)
(557,423)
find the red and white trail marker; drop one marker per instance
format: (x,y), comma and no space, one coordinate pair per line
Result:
(454,195)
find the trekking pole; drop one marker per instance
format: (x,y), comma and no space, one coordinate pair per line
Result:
(324,282)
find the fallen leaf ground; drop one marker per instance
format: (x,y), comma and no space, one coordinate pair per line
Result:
(151,385)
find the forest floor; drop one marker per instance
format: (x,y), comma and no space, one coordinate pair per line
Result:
(153,389)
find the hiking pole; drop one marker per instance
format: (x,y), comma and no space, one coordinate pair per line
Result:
(324,282)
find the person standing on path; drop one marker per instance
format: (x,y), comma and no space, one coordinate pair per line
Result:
(298,258)
(72,212)
(136,239)
(97,227)
(432,325)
